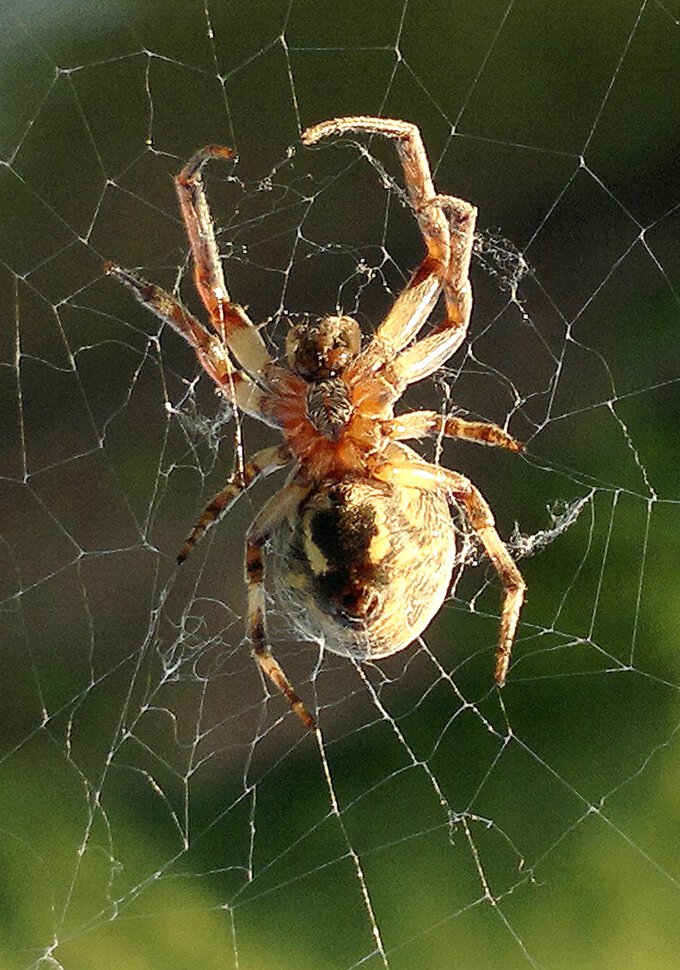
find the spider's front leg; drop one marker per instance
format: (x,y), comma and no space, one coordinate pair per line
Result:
(427,355)
(273,513)
(210,350)
(228,319)
(447,224)
(417,175)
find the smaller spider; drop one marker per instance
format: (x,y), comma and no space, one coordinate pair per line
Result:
(362,535)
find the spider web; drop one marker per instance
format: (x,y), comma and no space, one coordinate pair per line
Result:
(159,807)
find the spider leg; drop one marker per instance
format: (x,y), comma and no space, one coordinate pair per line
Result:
(409,313)
(417,176)
(421,424)
(401,469)
(407,316)
(262,463)
(209,349)
(427,355)
(274,512)
(228,319)
(448,239)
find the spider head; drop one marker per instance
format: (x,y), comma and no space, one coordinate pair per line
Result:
(317,351)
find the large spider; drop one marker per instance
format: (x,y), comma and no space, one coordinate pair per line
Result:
(362,532)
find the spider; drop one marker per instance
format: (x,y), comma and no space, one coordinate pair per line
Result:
(363,539)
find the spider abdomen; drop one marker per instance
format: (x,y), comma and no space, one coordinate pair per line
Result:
(364,566)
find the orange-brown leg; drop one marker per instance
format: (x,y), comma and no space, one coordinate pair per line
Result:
(228,319)
(447,225)
(400,469)
(210,350)
(273,513)
(263,463)
(422,424)
(427,355)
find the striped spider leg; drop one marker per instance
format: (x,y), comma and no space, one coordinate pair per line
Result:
(231,337)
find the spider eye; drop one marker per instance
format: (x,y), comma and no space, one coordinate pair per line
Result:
(321,350)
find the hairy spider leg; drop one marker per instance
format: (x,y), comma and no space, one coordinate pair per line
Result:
(262,463)
(449,248)
(228,319)
(427,355)
(209,349)
(405,467)
(422,424)
(274,512)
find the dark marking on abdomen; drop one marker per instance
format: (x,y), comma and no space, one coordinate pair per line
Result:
(364,565)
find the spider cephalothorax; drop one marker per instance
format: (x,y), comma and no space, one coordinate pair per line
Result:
(317,351)
(362,535)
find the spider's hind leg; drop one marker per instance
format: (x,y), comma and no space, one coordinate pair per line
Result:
(261,464)
(401,469)
(273,513)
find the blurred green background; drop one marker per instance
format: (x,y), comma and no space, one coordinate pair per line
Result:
(156,809)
